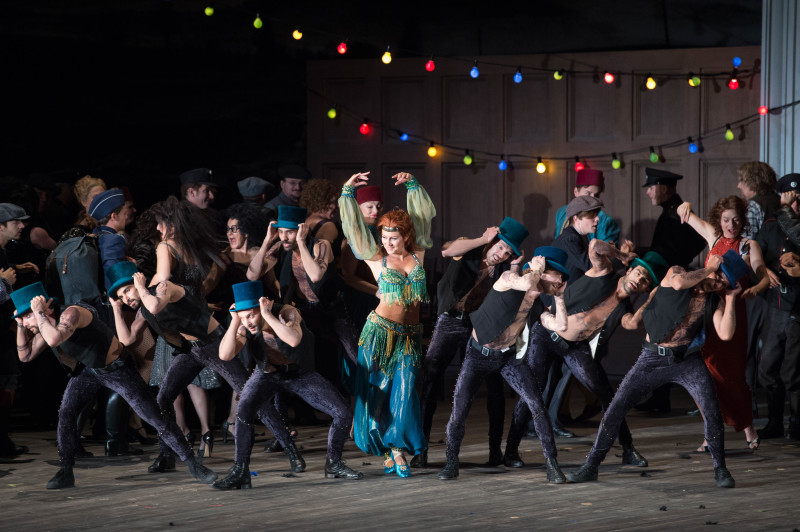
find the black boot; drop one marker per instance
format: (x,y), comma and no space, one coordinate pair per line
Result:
(554,473)
(495,455)
(585,473)
(793,432)
(631,456)
(296,461)
(774,426)
(511,457)
(238,478)
(450,469)
(63,479)
(723,477)
(273,446)
(338,469)
(165,461)
(420,460)
(199,471)
(117,412)
(562,432)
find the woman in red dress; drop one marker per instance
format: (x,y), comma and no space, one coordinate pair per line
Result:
(726,360)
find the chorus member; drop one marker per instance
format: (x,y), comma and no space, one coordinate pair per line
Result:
(590,183)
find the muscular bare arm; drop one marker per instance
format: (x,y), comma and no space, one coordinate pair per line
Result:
(72,318)
(234,339)
(601,253)
(679,279)
(264,259)
(286,326)
(323,254)
(127,335)
(557,323)
(462,245)
(28,345)
(165,293)
(725,315)
(634,321)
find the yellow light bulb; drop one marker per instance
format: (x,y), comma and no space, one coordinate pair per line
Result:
(297,35)
(540,167)
(432,151)
(387,57)
(651,83)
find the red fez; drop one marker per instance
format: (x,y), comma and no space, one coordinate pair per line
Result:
(368,193)
(589,177)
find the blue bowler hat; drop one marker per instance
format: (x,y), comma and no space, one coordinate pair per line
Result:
(290,216)
(512,233)
(555,257)
(22,297)
(733,266)
(655,265)
(119,275)
(246,295)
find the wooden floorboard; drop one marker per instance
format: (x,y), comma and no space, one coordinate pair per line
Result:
(675,492)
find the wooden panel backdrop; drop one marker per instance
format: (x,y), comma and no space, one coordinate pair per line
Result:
(579,115)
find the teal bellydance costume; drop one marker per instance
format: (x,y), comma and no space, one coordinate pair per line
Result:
(387,410)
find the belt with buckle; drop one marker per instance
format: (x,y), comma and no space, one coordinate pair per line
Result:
(554,336)
(485,351)
(675,352)
(114,366)
(458,314)
(219,332)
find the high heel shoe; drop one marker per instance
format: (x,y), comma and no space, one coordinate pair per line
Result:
(387,459)
(208,445)
(402,470)
(191,438)
(228,433)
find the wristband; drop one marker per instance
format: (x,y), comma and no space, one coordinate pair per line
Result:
(349,191)
(412,184)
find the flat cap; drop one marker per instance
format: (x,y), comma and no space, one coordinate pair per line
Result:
(583,204)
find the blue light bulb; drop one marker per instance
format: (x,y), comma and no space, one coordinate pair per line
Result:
(692,147)
(404,136)
(737,62)
(502,165)
(518,77)
(474,73)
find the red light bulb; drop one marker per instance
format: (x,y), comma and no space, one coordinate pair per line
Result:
(342,48)
(578,166)
(364,129)
(609,78)
(763,110)
(733,84)
(430,65)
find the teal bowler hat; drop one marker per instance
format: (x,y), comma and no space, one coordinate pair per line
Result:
(246,295)
(512,233)
(289,216)
(555,257)
(119,275)
(655,265)
(22,297)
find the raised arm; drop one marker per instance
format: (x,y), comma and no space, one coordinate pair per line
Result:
(165,292)
(355,229)
(703,228)
(419,207)
(557,322)
(316,265)
(463,245)
(725,315)
(234,339)
(634,321)
(286,326)
(264,259)
(601,253)
(72,318)
(511,280)
(28,345)
(127,335)
(680,279)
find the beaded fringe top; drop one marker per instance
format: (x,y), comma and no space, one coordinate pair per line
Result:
(388,343)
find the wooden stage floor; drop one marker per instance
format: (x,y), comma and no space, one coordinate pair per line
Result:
(675,492)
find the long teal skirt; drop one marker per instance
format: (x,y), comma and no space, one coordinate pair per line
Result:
(387,411)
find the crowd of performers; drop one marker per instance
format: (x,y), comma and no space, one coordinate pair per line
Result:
(276,315)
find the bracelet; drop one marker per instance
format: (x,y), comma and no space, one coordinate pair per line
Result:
(412,184)
(349,191)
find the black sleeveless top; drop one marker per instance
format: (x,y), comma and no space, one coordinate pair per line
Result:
(460,276)
(326,289)
(496,314)
(302,355)
(189,315)
(586,292)
(89,345)
(189,276)
(668,308)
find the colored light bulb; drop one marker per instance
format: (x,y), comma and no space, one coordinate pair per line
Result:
(364,129)
(258,23)
(332,112)
(608,78)
(540,167)
(432,151)
(386,57)
(733,84)
(467,158)
(342,48)
(403,136)
(653,155)
(474,72)
(616,164)
(209,11)
(297,34)
(558,75)
(729,132)
(430,65)
(692,146)
(578,165)
(518,76)
(694,80)
(502,165)
(762,110)
(650,83)
(737,62)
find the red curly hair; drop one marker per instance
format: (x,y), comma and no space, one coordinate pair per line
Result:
(402,221)
(734,203)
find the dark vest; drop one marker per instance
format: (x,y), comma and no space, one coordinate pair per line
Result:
(667,310)
(495,314)
(325,289)
(460,277)
(302,355)
(586,292)
(189,315)
(89,345)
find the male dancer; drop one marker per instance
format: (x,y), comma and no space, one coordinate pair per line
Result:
(283,349)
(96,358)
(477,263)
(673,316)
(512,302)
(589,302)
(186,321)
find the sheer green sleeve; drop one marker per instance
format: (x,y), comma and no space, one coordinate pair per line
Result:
(355,230)
(421,209)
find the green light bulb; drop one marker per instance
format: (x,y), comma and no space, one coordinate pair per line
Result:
(616,163)
(558,74)
(209,11)
(468,159)
(332,113)
(653,157)
(258,23)
(729,134)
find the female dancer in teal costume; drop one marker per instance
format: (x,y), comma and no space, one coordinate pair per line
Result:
(387,413)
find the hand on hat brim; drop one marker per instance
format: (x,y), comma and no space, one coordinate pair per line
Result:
(788,197)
